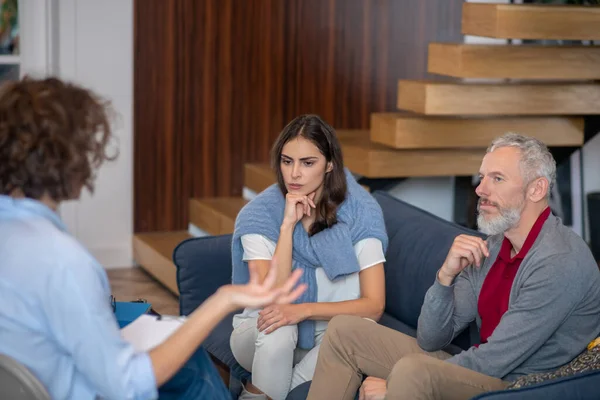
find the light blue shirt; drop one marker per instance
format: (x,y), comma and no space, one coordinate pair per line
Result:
(55,313)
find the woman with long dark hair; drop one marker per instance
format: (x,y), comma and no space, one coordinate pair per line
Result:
(318,218)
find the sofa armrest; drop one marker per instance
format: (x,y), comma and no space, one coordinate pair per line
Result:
(203,265)
(583,386)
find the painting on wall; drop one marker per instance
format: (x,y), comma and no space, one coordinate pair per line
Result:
(9,27)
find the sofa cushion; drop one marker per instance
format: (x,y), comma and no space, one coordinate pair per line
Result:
(204,265)
(391,322)
(300,392)
(419,243)
(583,386)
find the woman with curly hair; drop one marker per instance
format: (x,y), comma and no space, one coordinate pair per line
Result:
(56,317)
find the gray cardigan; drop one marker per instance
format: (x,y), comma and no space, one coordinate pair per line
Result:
(553,311)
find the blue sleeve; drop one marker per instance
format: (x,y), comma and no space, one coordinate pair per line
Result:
(83,323)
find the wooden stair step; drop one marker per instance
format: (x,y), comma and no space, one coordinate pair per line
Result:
(258,177)
(411,131)
(216,216)
(531,21)
(153,251)
(374,160)
(455,98)
(516,62)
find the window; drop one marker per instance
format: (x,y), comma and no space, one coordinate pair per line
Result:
(9,40)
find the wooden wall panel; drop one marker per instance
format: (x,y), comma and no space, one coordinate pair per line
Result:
(216,80)
(155,161)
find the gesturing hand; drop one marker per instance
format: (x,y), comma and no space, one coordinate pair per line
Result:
(275,316)
(465,250)
(372,389)
(255,294)
(297,206)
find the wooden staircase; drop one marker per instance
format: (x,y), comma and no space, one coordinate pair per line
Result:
(154,252)
(560,63)
(531,21)
(411,131)
(442,128)
(215,216)
(496,99)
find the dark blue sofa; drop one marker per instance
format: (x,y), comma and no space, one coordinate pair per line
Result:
(419,242)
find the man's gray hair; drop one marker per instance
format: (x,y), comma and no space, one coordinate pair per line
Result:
(536,159)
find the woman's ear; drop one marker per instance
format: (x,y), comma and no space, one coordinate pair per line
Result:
(329,167)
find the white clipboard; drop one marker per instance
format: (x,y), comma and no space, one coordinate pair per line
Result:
(148,331)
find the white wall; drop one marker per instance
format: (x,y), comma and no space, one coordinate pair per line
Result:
(96,50)
(591,171)
(435,195)
(90,42)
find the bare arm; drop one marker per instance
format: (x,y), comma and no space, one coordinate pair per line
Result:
(370,304)
(296,207)
(283,254)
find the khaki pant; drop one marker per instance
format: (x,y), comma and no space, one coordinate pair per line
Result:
(354,347)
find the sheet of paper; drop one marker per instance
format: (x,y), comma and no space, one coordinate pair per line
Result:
(147,331)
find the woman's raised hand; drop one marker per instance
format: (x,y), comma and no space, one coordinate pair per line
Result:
(256,295)
(297,206)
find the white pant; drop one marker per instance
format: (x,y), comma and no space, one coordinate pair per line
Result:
(277,365)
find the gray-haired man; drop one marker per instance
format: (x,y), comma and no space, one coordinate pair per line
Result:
(533,287)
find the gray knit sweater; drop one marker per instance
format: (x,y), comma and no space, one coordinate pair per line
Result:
(553,312)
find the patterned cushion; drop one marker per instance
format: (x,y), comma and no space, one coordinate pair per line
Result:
(589,360)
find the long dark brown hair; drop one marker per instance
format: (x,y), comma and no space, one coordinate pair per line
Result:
(317,131)
(53,137)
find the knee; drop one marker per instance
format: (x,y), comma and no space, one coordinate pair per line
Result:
(284,338)
(410,368)
(343,331)
(341,324)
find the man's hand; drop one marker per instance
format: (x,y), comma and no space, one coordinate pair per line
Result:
(255,294)
(277,315)
(466,250)
(373,389)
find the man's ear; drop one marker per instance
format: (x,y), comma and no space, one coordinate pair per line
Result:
(538,189)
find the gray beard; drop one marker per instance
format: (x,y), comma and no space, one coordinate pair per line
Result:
(508,219)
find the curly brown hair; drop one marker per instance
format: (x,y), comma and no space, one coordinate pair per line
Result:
(53,137)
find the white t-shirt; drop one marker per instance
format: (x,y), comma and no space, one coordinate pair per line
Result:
(369,252)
